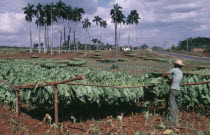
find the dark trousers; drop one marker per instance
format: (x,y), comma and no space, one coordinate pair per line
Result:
(172,109)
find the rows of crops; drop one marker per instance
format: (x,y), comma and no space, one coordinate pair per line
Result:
(20,72)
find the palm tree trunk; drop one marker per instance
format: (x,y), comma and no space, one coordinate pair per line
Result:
(69,43)
(129,35)
(119,35)
(97,39)
(48,39)
(86,42)
(51,36)
(89,41)
(76,37)
(64,36)
(132,36)
(39,39)
(61,37)
(45,39)
(30,37)
(100,38)
(137,34)
(115,60)
(59,48)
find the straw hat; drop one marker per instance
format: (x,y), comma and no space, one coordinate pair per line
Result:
(179,62)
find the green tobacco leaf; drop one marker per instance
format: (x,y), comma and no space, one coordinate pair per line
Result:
(187,98)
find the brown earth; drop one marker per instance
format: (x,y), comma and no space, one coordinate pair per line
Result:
(64,56)
(190,123)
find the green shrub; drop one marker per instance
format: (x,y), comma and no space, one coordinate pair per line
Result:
(34,56)
(122,60)
(130,55)
(127,52)
(114,66)
(77,63)
(96,56)
(77,59)
(106,60)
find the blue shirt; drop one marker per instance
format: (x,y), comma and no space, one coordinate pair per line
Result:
(176,78)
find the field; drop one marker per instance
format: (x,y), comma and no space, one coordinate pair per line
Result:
(121,108)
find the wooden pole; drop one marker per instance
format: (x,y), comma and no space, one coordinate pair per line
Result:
(56,103)
(48,83)
(17,103)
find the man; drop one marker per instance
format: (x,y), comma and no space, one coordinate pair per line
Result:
(176,77)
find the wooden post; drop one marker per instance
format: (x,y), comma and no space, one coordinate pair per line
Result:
(56,103)
(17,103)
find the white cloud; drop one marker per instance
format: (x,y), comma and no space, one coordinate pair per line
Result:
(201,28)
(179,17)
(11,23)
(181,6)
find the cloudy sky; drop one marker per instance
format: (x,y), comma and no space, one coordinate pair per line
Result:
(162,21)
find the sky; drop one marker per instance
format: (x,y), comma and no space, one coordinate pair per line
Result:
(163,22)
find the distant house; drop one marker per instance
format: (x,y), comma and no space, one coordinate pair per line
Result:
(126,49)
(198,50)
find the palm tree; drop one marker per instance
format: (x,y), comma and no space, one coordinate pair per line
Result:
(47,22)
(69,13)
(52,19)
(116,15)
(86,24)
(103,24)
(60,11)
(132,18)
(29,11)
(121,21)
(40,21)
(136,19)
(129,21)
(77,16)
(97,19)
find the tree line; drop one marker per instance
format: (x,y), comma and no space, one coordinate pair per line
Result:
(67,19)
(191,43)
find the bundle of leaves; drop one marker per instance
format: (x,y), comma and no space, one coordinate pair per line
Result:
(77,63)
(130,55)
(127,52)
(96,56)
(54,65)
(34,56)
(77,59)
(22,51)
(122,60)
(111,60)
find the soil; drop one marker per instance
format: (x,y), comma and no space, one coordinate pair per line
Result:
(65,56)
(190,123)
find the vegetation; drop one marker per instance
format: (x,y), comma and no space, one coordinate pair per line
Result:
(196,98)
(197,42)
(47,15)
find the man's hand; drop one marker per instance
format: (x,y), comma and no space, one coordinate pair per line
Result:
(165,75)
(169,81)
